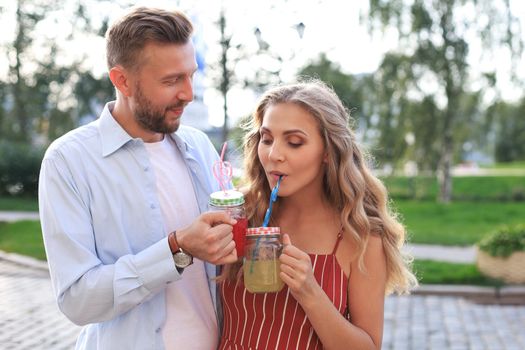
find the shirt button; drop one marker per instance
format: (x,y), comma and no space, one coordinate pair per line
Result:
(146,168)
(157,330)
(152,206)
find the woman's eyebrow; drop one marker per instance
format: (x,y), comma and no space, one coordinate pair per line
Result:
(287,132)
(295,131)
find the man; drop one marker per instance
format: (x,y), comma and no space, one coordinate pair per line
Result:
(120,198)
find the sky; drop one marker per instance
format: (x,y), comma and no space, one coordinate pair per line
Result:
(331,26)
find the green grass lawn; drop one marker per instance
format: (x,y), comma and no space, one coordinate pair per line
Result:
(511,165)
(465,188)
(18,204)
(22,237)
(437,272)
(461,223)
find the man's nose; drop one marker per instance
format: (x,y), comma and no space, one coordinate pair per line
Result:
(186,91)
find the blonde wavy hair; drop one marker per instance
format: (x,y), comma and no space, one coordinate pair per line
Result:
(349,185)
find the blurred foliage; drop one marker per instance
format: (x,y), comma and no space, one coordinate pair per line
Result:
(509,120)
(466,188)
(43,97)
(351,89)
(504,241)
(431,64)
(398,115)
(19,169)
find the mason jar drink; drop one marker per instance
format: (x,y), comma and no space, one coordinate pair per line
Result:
(232,202)
(261,261)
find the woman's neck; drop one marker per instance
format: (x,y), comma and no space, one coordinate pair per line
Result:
(312,224)
(305,211)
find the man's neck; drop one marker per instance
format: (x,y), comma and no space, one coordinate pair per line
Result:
(124,116)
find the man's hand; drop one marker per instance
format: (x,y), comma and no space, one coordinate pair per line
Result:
(210,238)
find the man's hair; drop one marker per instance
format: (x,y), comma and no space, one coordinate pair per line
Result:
(126,38)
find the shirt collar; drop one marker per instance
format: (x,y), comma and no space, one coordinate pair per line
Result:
(112,135)
(182,145)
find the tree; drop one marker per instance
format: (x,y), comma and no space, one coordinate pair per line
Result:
(43,96)
(226,72)
(433,35)
(351,89)
(28,15)
(510,130)
(248,64)
(391,109)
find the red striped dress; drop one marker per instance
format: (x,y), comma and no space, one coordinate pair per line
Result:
(276,320)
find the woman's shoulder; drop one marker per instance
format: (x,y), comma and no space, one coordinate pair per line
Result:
(375,241)
(373,250)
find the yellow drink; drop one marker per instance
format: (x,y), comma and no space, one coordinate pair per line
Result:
(262,276)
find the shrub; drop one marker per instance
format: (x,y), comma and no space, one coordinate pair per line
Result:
(19,169)
(505,241)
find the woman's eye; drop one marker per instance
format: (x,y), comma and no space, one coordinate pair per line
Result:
(266,141)
(295,142)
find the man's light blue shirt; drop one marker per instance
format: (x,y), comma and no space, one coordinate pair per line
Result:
(104,235)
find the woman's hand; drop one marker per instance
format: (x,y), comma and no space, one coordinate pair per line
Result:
(297,272)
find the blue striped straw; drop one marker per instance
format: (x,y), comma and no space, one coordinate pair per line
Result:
(273,198)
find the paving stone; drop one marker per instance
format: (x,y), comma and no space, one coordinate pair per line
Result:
(28,312)
(30,319)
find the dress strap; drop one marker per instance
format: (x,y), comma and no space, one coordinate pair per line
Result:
(339,237)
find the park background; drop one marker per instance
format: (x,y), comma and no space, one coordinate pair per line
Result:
(435,89)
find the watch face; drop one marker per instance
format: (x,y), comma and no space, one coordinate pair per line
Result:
(182,259)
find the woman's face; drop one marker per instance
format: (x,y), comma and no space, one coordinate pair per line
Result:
(291,145)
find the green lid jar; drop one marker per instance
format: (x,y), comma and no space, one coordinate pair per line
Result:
(232,201)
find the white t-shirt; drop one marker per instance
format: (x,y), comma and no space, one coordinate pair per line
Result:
(190,317)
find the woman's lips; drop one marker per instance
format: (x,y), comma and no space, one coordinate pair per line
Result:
(276,176)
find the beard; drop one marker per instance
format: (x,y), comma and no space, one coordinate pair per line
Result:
(153,118)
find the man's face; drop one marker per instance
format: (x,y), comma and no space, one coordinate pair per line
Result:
(163,86)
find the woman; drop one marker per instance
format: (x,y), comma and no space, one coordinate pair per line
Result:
(342,245)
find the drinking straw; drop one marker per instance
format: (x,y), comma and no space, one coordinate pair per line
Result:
(222,170)
(273,198)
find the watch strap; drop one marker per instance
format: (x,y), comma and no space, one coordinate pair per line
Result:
(176,250)
(172,241)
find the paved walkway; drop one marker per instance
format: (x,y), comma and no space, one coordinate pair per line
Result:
(11,216)
(30,319)
(461,255)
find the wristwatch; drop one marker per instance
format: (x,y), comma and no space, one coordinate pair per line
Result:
(180,257)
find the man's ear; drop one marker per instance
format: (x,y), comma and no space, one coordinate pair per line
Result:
(120,79)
